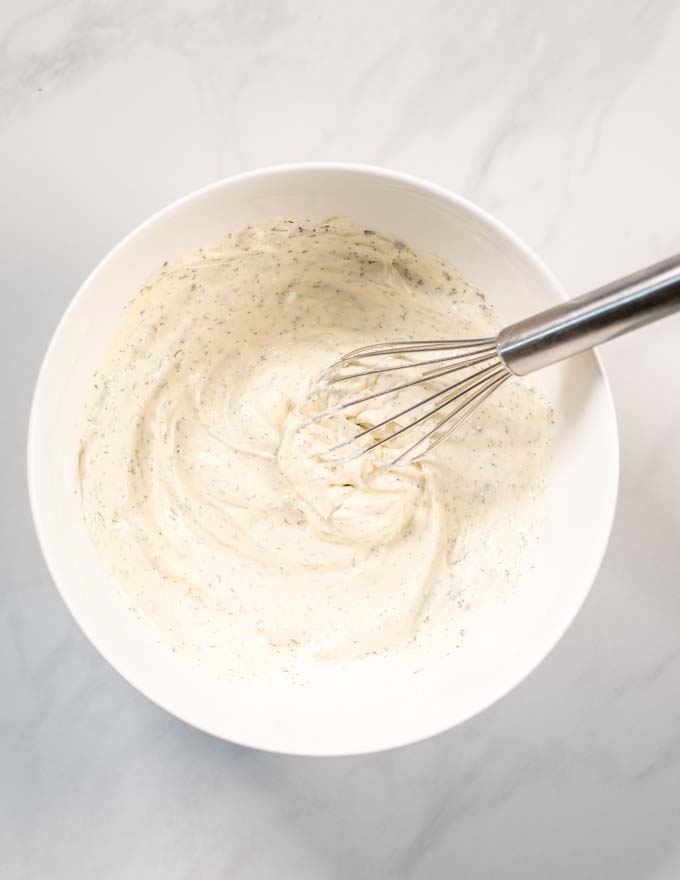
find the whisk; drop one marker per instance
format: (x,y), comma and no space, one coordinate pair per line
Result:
(483,365)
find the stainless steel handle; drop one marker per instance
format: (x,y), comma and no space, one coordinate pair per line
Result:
(591,319)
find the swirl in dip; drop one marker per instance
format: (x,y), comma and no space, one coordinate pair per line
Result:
(201,491)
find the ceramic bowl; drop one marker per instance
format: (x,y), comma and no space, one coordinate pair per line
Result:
(366,707)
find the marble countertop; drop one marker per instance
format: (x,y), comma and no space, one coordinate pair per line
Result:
(562,119)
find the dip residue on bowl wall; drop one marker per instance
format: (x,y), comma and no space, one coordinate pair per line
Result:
(197,486)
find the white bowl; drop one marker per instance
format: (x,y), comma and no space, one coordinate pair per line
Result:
(374,707)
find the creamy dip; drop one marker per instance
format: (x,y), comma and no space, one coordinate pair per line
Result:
(200,483)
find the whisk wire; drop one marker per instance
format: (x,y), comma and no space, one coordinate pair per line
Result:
(449,399)
(480,356)
(394,388)
(393,368)
(405,346)
(465,410)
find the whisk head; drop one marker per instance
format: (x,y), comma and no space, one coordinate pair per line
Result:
(436,385)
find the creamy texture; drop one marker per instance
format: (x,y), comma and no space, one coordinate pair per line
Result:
(206,500)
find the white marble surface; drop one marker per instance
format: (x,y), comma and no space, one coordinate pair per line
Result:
(562,118)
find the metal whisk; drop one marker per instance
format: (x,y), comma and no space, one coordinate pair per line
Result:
(484,365)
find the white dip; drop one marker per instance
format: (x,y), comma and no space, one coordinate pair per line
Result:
(202,496)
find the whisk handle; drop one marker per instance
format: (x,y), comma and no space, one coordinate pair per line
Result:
(591,319)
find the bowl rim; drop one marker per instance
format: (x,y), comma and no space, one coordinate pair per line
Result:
(411,181)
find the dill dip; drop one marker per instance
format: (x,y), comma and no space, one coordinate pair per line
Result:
(200,492)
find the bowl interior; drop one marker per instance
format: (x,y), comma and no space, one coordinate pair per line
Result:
(369,707)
